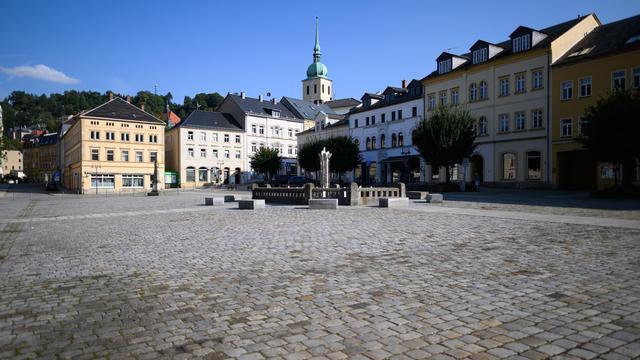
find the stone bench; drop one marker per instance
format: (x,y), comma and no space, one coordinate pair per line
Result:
(417,195)
(435,198)
(230,198)
(393,202)
(323,203)
(213,201)
(251,204)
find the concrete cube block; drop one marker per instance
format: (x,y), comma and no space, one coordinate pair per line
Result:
(323,203)
(435,198)
(417,195)
(230,198)
(213,201)
(251,204)
(393,202)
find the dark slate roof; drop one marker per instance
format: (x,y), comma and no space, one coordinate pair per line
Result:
(119,109)
(343,122)
(605,39)
(372,95)
(254,106)
(383,103)
(305,109)
(552,33)
(48,139)
(348,102)
(210,120)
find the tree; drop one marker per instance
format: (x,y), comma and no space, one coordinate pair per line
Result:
(611,134)
(345,154)
(308,156)
(446,138)
(266,161)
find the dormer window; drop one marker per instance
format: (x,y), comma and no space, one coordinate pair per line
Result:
(444,66)
(480,55)
(522,43)
(275,113)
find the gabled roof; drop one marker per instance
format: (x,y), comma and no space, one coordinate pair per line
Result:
(521,30)
(48,139)
(605,39)
(446,55)
(304,109)
(372,96)
(340,103)
(383,103)
(210,120)
(552,33)
(118,109)
(254,106)
(481,44)
(172,118)
(394,90)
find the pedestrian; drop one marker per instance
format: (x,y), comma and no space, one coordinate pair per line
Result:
(476,181)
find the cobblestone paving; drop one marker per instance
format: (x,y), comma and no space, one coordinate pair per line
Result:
(291,283)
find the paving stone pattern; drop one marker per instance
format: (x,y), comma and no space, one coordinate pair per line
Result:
(291,283)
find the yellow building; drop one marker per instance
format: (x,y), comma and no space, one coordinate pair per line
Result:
(505,86)
(113,147)
(606,59)
(40,158)
(12,163)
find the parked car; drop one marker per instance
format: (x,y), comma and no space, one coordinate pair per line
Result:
(51,186)
(300,181)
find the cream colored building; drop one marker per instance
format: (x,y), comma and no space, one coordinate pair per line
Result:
(113,147)
(12,163)
(206,148)
(505,86)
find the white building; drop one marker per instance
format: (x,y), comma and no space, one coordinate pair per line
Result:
(382,128)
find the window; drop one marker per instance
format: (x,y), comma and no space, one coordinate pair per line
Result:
(133,181)
(483,90)
(394,140)
(261,130)
(124,155)
(254,147)
(95,135)
(585,87)
(619,78)
(315,88)
(521,83)
(290,131)
(203,174)
(444,66)
(636,78)
(275,113)
(366,122)
(153,139)
(139,156)
(455,97)
(238,139)
(566,90)
(393,115)
(290,150)
(400,139)
(203,153)
(102,181)
(382,141)
(323,88)
(190,135)
(399,114)
(139,137)
(520,120)
(190,152)
(237,154)
(504,122)
(373,142)
(214,153)
(473,92)
(191,174)
(504,87)
(307,89)
(254,128)
(534,165)
(482,126)
(584,126)
(382,117)
(355,123)
(443,98)
(536,119)
(124,137)
(522,43)
(368,144)
(431,101)
(203,136)
(537,79)
(566,128)
(109,155)
(226,154)
(226,138)
(480,55)
(110,135)
(509,166)
(373,119)
(95,154)
(414,110)
(214,137)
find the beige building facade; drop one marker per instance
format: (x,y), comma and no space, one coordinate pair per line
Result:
(113,147)
(12,163)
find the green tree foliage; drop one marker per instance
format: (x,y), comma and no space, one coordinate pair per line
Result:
(611,133)
(345,154)
(446,138)
(266,161)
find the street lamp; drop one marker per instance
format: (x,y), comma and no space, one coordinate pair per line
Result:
(96,166)
(220,165)
(405,163)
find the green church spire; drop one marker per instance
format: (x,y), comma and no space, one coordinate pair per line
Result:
(317,68)
(316,48)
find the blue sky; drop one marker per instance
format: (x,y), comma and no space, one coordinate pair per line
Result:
(188,47)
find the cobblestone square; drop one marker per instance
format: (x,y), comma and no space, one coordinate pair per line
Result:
(166,277)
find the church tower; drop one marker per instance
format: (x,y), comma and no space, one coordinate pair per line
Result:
(316,88)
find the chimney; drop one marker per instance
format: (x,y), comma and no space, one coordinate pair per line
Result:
(404,84)
(142,107)
(274,100)
(110,95)
(129,99)
(260,98)
(242,94)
